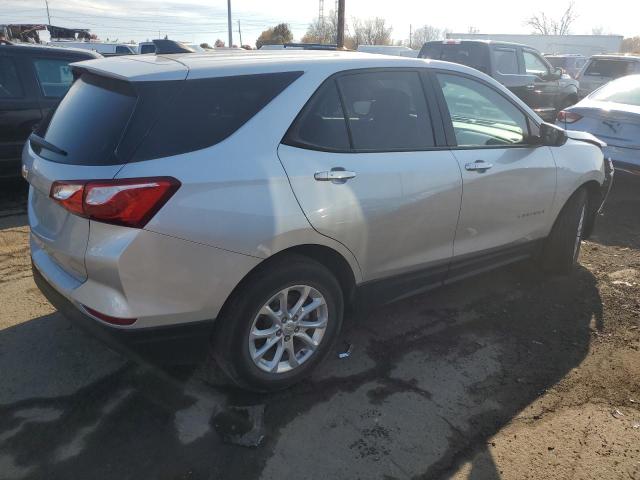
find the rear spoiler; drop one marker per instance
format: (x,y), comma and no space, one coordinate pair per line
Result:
(164,47)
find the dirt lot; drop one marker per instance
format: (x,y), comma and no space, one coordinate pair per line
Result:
(510,375)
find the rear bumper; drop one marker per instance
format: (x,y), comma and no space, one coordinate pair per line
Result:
(186,343)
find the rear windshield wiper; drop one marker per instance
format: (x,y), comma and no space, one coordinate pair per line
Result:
(42,143)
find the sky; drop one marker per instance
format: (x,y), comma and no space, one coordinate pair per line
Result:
(206,20)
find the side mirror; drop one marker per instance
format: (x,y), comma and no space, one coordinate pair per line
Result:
(556,74)
(551,135)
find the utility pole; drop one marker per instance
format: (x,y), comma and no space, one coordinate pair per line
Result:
(340,35)
(410,35)
(46,2)
(240,33)
(229,23)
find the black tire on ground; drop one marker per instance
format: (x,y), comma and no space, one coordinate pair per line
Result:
(562,246)
(231,336)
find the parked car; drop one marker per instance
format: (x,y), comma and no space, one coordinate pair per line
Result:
(522,69)
(150,47)
(106,49)
(32,81)
(569,63)
(398,50)
(611,113)
(601,69)
(271,191)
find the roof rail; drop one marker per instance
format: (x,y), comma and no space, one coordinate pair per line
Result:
(164,46)
(312,46)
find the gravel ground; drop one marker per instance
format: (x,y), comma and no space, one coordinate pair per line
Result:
(505,376)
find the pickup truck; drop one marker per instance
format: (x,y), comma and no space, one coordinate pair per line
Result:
(520,68)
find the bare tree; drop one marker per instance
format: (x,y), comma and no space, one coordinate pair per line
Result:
(219,43)
(424,34)
(327,32)
(631,45)
(322,31)
(372,31)
(545,25)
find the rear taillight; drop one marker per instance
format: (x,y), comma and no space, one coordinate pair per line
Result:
(568,117)
(130,202)
(109,318)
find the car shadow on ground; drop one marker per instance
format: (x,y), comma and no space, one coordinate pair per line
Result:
(621,220)
(429,380)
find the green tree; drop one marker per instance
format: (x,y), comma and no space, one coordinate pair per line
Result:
(278,35)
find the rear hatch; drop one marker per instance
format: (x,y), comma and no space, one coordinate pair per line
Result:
(616,128)
(91,135)
(602,70)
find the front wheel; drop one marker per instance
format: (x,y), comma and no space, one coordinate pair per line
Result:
(562,247)
(279,325)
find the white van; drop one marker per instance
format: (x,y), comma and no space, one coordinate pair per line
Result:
(103,48)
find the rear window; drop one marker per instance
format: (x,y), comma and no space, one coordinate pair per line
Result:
(474,55)
(207,111)
(90,121)
(609,68)
(147,49)
(105,122)
(624,90)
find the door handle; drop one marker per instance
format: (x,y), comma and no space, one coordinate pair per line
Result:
(479,166)
(336,175)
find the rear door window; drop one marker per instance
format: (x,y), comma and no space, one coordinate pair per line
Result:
(386,111)
(10,85)
(321,125)
(603,67)
(54,76)
(506,60)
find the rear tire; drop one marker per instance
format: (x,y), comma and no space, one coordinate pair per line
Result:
(255,319)
(562,247)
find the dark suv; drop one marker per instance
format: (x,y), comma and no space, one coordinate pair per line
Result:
(521,69)
(33,79)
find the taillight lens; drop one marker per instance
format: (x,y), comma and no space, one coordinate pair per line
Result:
(130,202)
(109,318)
(568,116)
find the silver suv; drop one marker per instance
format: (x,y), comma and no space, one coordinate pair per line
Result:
(270,191)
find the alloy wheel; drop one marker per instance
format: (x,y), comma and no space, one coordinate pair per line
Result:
(288,329)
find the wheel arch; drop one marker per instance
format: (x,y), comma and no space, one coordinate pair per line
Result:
(326,256)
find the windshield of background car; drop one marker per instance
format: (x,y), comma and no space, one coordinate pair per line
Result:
(610,68)
(624,90)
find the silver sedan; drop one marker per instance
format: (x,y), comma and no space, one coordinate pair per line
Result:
(611,113)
